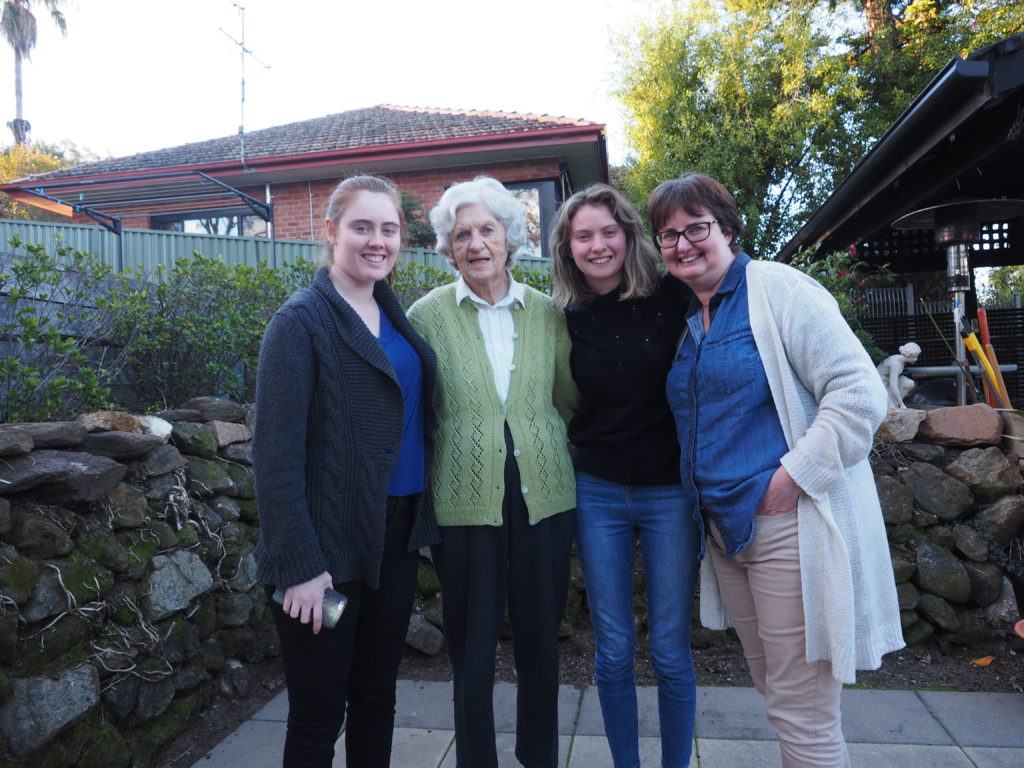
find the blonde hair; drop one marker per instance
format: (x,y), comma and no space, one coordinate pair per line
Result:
(640,270)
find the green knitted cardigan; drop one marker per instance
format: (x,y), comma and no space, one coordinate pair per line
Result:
(469,458)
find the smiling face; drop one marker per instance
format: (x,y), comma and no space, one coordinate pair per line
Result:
(598,245)
(480,250)
(364,240)
(702,266)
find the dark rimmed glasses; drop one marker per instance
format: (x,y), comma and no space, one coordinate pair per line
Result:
(697,232)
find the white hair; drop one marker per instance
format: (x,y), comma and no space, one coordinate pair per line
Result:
(490,193)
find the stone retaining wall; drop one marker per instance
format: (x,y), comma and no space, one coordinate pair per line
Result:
(128,604)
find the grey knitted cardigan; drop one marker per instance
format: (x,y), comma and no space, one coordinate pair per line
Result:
(328,427)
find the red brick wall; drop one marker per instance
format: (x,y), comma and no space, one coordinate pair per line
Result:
(299,206)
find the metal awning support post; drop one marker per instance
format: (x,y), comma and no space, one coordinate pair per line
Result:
(108,222)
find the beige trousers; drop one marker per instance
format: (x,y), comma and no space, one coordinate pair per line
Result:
(761,589)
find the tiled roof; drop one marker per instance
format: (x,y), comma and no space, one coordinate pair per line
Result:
(380,126)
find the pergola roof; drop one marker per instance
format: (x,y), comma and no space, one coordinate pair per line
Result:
(962,138)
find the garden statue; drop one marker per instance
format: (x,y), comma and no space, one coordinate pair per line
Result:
(891,369)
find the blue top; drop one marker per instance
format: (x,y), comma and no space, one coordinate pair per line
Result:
(407,478)
(729,431)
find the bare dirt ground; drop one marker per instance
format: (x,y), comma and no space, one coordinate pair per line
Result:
(718,662)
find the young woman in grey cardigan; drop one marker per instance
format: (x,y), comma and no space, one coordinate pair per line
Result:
(343,415)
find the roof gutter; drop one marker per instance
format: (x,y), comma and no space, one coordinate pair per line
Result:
(898,148)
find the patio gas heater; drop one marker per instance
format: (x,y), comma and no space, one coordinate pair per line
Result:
(955,226)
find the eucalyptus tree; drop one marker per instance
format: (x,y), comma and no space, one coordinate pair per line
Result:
(18,26)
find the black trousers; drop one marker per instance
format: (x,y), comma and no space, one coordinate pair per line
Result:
(352,668)
(481,569)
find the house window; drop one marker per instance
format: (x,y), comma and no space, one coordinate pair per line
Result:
(220,221)
(539,197)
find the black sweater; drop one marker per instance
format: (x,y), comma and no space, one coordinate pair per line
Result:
(328,429)
(621,353)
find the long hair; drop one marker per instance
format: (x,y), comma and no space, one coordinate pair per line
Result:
(640,270)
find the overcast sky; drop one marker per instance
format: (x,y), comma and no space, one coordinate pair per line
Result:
(136,75)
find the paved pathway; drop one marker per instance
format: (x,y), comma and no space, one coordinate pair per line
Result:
(885,729)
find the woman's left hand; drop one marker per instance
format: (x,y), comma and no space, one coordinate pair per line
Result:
(782,494)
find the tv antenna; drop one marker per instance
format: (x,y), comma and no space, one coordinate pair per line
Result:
(242,52)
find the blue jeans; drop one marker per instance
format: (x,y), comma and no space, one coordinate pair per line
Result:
(609,517)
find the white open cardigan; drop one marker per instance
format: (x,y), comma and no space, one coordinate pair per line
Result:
(830,401)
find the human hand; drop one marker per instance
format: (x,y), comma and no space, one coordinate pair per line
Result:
(782,494)
(305,601)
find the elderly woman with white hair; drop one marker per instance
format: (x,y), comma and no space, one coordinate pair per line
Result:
(503,485)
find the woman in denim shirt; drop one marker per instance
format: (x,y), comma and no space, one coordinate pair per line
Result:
(624,319)
(776,404)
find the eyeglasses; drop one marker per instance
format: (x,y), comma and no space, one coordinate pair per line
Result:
(695,233)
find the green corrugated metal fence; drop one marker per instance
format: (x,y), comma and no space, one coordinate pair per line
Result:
(150,248)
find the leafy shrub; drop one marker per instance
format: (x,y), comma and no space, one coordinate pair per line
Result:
(195,329)
(55,356)
(848,280)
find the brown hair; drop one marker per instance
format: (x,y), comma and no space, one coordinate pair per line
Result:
(342,197)
(640,270)
(694,192)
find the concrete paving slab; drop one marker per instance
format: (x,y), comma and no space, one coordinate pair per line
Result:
(424,705)
(979,719)
(907,756)
(506,744)
(593,752)
(275,710)
(590,722)
(254,745)
(729,753)
(890,717)
(996,757)
(647,708)
(732,713)
(505,708)
(418,748)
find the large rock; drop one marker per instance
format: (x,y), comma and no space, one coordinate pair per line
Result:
(177,579)
(216,409)
(897,500)
(14,441)
(5,516)
(194,439)
(1013,436)
(115,444)
(40,707)
(986,582)
(34,534)
(938,612)
(128,507)
(207,478)
(60,477)
(964,425)
(424,636)
(163,461)
(106,421)
(1004,610)
(1004,519)
(227,432)
(240,452)
(924,452)
(900,425)
(986,472)
(240,571)
(943,495)
(941,573)
(54,434)
(970,543)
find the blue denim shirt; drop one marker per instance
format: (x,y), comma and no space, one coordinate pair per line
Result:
(729,432)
